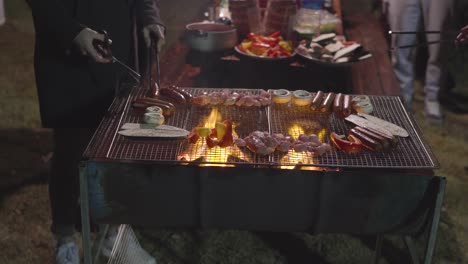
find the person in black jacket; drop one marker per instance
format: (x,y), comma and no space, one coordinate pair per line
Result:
(76,85)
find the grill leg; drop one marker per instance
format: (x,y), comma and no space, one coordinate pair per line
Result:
(378,248)
(100,240)
(435,222)
(84,204)
(409,242)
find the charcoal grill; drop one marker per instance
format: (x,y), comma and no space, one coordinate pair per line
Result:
(171,183)
(411,153)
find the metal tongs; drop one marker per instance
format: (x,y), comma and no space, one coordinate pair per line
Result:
(391,32)
(104,49)
(153,54)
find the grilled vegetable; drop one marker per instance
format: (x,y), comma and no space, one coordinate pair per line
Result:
(211,142)
(392,139)
(220,130)
(202,131)
(351,145)
(227,139)
(367,142)
(385,142)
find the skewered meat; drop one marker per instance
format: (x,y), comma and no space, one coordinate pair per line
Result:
(240,142)
(228,98)
(263,143)
(201,100)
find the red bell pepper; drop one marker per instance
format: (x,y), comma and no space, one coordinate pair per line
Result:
(211,142)
(275,34)
(259,48)
(227,139)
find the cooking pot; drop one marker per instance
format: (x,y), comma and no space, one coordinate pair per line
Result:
(210,36)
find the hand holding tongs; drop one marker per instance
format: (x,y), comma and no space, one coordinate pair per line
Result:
(153,54)
(103,47)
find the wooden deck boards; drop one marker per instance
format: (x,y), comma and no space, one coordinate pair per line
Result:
(374,76)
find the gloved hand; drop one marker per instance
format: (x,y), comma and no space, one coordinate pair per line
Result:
(156,32)
(84,42)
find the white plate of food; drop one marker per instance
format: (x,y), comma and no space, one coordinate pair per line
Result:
(330,49)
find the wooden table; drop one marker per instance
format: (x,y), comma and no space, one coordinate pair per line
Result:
(183,67)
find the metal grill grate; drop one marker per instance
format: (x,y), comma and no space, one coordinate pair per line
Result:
(245,120)
(411,152)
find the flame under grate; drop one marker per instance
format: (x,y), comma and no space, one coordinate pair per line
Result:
(412,152)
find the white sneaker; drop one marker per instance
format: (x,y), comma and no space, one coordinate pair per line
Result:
(432,112)
(67,253)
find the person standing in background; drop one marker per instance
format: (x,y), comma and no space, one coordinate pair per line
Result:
(76,85)
(412,15)
(2,13)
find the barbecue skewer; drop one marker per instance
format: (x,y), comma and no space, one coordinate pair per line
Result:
(391,32)
(419,44)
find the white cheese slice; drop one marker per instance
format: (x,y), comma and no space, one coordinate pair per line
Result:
(342,52)
(324,37)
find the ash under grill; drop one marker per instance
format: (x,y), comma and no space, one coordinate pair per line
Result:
(411,152)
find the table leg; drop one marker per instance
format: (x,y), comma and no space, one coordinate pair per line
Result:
(84,203)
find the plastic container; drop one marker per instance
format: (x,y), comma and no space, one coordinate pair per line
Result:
(245,16)
(311,22)
(280,16)
(312,4)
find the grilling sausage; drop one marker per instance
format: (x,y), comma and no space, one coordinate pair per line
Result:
(385,142)
(173,95)
(327,102)
(317,101)
(366,141)
(144,102)
(187,95)
(346,110)
(150,100)
(338,104)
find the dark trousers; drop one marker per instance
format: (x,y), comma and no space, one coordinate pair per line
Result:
(70,143)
